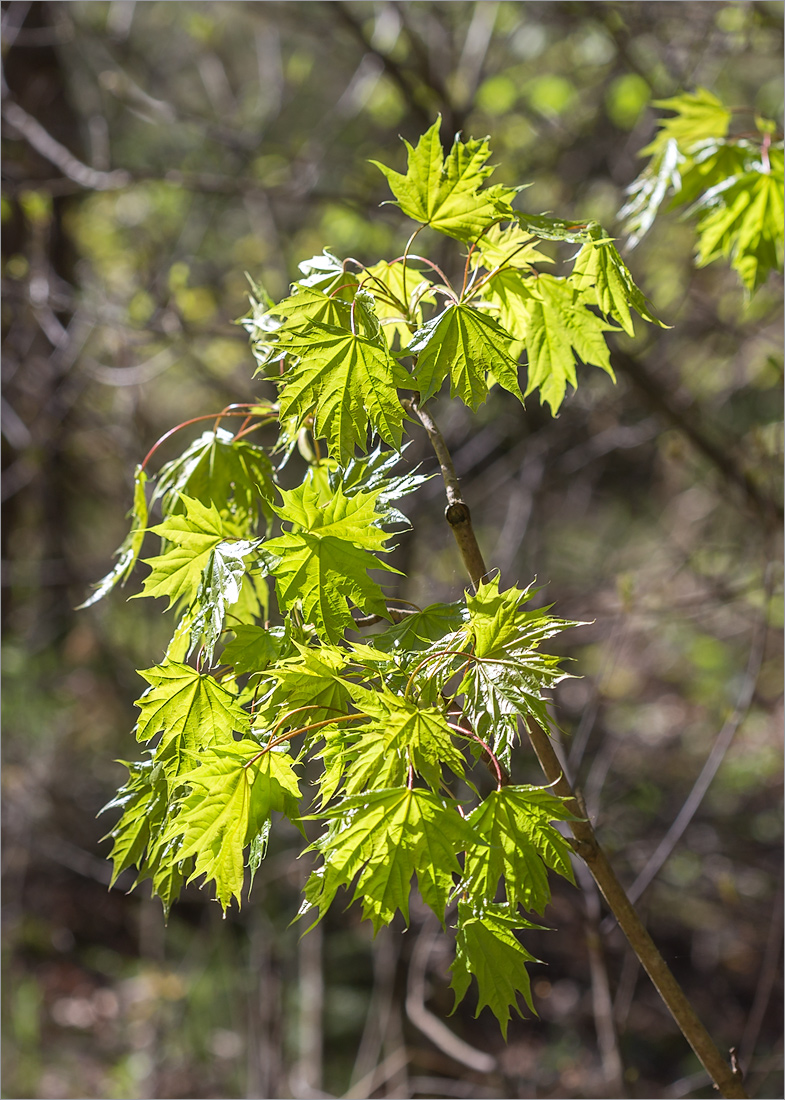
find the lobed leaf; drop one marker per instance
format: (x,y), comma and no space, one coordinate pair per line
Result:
(520,844)
(192,538)
(601,273)
(487,947)
(322,565)
(382,838)
(559,327)
(232,475)
(448,194)
(467,345)
(233,792)
(348,383)
(191,711)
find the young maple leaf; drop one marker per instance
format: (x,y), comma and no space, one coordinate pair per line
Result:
(559,326)
(347,382)
(233,792)
(189,710)
(311,679)
(521,843)
(234,475)
(742,220)
(399,735)
(487,947)
(511,675)
(466,344)
(384,837)
(323,563)
(177,573)
(602,276)
(448,194)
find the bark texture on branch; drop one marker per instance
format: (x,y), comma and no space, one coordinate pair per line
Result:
(726,1075)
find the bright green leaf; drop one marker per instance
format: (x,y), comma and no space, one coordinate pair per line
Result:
(347,382)
(232,475)
(233,793)
(189,710)
(177,573)
(600,271)
(448,194)
(487,947)
(466,345)
(383,838)
(323,564)
(521,843)
(560,326)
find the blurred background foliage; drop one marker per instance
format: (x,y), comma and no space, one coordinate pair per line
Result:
(152,154)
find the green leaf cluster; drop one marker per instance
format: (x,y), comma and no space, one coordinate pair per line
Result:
(409,733)
(731,183)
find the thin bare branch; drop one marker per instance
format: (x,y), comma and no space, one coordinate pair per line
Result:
(457,512)
(50,149)
(433,1028)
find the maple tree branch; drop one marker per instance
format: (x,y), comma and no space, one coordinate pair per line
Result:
(728,1081)
(457,512)
(727,1077)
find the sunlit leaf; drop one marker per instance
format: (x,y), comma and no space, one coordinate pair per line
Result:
(448,193)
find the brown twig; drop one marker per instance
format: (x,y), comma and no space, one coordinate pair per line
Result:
(727,1078)
(457,512)
(587,847)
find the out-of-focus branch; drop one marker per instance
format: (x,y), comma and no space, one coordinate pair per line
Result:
(660,399)
(587,847)
(433,1028)
(721,745)
(50,149)
(391,67)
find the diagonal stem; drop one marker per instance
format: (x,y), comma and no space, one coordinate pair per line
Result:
(457,512)
(728,1080)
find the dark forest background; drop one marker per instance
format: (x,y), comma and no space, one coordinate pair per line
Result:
(152,154)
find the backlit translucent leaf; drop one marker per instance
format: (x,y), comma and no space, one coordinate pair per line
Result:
(177,573)
(466,345)
(307,305)
(219,589)
(233,793)
(418,631)
(233,475)
(697,116)
(311,680)
(448,194)
(521,843)
(382,838)
(600,273)
(742,221)
(349,383)
(399,290)
(143,803)
(322,565)
(253,648)
(559,327)
(128,551)
(511,675)
(511,246)
(399,735)
(189,710)
(487,947)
